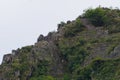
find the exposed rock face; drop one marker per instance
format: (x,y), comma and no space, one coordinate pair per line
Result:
(41,37)
(51,52)
(87,23)
(44,49)
(7,58)
(56,55)
(115,53)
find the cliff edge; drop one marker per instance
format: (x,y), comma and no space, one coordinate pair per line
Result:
(87,48)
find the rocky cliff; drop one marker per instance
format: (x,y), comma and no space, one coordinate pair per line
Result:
(87,48)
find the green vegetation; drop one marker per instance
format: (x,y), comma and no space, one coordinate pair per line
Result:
(40,69)
(102,16)
(73,28)
(76,53)
(96,16)
(73,53)
(43,78)
(105,69)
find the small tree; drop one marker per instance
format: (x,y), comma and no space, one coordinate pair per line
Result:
(96,16)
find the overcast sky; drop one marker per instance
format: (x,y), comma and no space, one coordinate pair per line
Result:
(21,21)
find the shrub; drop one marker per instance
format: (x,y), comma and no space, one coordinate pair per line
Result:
(43,78)
(72,29)
(104,69)
(66,77)
(26,48)
(41,68)
(74,53)
(84,74)
(96,16)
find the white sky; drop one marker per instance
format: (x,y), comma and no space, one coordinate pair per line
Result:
(21,21)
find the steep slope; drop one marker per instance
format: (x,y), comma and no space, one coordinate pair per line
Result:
(87,48)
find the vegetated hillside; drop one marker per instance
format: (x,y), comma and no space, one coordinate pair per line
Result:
(87,48)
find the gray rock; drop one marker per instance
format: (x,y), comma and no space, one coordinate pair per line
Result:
(115,53)
(17,73)
(40,38)
(7,58)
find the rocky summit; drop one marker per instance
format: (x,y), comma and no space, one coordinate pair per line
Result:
(87,48)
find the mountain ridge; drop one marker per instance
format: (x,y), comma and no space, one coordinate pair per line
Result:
(87,48)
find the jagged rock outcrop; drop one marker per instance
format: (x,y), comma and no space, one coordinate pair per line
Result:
(78,50)
(7,58)
(41,37)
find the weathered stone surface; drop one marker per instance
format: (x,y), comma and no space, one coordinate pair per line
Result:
(17,73)
(47,48)
(40,38)
(115,53)
(7,58)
